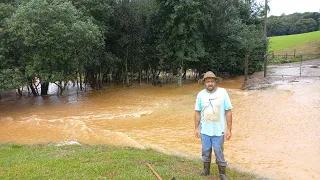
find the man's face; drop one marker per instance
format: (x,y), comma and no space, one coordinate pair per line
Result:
(210,83)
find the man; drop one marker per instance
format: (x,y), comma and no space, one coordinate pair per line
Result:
(212,113)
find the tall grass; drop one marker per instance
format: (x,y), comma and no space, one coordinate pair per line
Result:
(98,162)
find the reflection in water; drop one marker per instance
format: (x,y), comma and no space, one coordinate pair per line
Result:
(267,138)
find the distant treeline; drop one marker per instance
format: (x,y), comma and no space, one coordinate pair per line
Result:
(98,41)
(293,24)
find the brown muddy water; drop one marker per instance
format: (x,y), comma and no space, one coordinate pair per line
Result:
(275,131)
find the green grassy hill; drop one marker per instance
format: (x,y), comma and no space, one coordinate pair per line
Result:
(303,43)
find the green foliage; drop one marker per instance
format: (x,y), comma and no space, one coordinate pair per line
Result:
(293,24)
(10,76)
(6,10)
(10,79)
(53,34)
(278,26)
(181,38)
(283,59)
(61,39)
(228,38)
(303,26)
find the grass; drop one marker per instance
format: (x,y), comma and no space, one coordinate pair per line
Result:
(98,162)
(279,43)
(283,59)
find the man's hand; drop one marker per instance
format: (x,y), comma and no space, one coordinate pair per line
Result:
(197,124)
(228,134)
(229,124)
(197,133)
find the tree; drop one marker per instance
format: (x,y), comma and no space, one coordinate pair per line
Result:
(11,79)
(10,74)
(303,26)
(278,26)
(293,23)
(181,38)
(53,33)
(101,12)
(228,38)
(126,39)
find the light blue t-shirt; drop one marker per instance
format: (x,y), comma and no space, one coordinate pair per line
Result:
(212,108)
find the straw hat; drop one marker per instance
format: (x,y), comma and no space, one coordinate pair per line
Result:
(210,74)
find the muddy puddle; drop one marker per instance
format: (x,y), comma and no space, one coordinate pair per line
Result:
(275,131)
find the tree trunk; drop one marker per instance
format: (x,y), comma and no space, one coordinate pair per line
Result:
(100,78)
(80,81)
(140,79)
(97,81)
(85,81)
(184,74)
(131,75)
(60,88)
(126,69)
(44,88)
(65,85)
(19,92)
(33,90)
(180,76)
(147,73)
(123,77)
(28,91)
(77,86)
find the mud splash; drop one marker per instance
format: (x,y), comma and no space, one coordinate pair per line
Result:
(275,131)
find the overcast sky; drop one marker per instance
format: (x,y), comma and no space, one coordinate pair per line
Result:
(291,6)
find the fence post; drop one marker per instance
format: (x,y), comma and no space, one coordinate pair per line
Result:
(300,64)
(294,53)
(265,63)
(246,67)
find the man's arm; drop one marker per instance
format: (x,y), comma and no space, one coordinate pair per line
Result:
(197,123)
(229,124)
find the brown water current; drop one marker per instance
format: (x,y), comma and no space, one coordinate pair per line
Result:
(275,131)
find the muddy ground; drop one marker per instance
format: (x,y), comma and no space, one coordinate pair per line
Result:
(282,128)
(285,74)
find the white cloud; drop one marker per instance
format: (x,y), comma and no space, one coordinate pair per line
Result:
(277,7)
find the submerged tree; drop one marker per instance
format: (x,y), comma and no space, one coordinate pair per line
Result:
(123,41)
(55,39)
(181,40)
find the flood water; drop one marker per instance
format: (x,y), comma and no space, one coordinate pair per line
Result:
(275,131)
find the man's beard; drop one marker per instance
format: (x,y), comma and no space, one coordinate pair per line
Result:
(210,88)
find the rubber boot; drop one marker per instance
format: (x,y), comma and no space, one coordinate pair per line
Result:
(206,169)
(222,172)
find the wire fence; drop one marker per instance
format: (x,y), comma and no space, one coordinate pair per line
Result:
(306,65)
(303,65)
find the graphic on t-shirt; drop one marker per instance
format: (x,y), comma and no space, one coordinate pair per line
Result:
(211,109)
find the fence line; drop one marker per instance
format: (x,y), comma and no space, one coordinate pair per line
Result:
(279,60)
